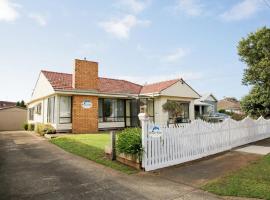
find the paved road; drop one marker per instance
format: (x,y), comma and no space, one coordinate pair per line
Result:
(32,168)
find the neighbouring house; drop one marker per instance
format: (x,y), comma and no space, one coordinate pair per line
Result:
(4,104)
(205,105)
(84,102)
(12,118)
(230,104)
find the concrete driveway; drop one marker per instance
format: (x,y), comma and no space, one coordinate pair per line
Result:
(32,168)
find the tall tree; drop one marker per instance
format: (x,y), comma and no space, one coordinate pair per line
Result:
(21,104)
(254,50)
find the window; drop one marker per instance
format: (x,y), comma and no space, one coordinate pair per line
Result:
(183,117)
(31,113)
(111,110)
(50,112)
(38,109)
(65,110)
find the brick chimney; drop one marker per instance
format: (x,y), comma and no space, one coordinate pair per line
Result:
(85,75)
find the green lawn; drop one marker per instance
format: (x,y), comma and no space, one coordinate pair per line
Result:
(252,181)
(91,146)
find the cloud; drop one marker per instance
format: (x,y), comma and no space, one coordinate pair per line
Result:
(189,7)
(40,19)
(8,11)
(243,10)
(175,56)
(121,28)
(136,6)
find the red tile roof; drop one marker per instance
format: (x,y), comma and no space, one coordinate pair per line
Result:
(158,87)
(63,81)
(108,85)
(59,81)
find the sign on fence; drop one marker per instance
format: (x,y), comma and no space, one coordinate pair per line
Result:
(165,146)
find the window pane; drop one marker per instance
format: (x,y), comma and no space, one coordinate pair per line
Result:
(150,107)
(183,116)
(107,107)
(50,116)
(100,110)
(120,108)
(65,106)
(65,110)
(113,110)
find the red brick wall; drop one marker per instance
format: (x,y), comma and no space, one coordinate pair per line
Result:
(84,120)
(85,75)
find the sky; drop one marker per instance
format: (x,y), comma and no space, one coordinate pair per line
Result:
(143,41)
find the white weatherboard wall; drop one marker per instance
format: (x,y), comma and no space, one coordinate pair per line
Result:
(37,118)
(180,89)
(42,88)
(175,145)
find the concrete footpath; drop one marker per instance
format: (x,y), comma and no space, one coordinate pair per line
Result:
(32,168)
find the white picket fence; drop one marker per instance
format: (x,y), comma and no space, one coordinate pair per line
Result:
(174,145)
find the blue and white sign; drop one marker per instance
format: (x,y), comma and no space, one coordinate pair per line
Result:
(86,104)
(155,131)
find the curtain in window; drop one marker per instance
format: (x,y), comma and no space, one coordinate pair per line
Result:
(65,109)
(111,110)
(50,112)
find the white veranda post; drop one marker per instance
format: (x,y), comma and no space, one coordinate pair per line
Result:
(144,123)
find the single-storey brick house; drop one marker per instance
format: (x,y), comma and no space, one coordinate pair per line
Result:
(84,102)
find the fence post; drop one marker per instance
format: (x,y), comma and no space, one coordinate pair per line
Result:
(144,122)
(113,155)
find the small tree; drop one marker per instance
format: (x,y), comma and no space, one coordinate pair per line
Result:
(174,108)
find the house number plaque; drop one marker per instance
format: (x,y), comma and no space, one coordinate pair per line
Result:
(86,104)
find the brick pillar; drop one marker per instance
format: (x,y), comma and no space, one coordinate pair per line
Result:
(84,120)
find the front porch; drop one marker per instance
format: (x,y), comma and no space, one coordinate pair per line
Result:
(202,110)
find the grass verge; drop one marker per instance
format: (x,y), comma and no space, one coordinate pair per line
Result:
(252,181)
(91,146)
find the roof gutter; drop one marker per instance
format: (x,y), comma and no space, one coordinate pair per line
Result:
(95,93)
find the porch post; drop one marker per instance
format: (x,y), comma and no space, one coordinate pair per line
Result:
(144,122)
(200,110)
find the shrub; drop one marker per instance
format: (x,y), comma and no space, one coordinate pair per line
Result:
(25,126)
(49,129)
(31,127)
(237,116)
(43,129)
(129,142)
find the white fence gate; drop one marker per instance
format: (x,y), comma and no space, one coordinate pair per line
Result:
(165,146)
